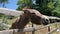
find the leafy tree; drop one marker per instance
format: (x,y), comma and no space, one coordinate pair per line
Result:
(3,2)
(22,3)
(56,11)
(46,6)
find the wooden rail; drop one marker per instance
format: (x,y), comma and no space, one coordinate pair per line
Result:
(17,13)
(26,29)
(11,12)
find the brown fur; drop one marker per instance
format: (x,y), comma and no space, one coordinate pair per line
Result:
(29,14)
(38,18)
(21,22)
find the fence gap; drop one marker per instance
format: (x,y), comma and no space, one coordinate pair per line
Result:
(33,29)
(49,28)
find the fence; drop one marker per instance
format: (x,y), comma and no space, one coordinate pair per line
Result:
(30,29)
(12,31)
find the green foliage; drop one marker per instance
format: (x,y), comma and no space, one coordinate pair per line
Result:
(46,7)
(56,11)
(19,8)
(50,5)
(1,28)
(3,2)
(1,15)
(10,17)
(22,3)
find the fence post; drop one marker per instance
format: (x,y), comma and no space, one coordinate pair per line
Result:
(56,26)
(49,29)
(33,29)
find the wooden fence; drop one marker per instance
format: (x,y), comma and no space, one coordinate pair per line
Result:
(30,29)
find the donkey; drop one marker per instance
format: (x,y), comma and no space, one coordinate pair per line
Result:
(30,15)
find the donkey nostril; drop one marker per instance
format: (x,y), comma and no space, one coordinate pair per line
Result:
(46,19)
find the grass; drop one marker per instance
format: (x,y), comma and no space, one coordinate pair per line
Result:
(10,21)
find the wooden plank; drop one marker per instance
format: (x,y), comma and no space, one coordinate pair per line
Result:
(11,31)
(11,12)
(55,29)
(18,13)
(6,32)
(51,17)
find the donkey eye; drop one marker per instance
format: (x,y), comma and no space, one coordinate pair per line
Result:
(33,13)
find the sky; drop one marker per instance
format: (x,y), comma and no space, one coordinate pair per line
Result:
(12,4)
